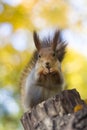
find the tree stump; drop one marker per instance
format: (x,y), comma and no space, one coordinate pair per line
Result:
(57,113)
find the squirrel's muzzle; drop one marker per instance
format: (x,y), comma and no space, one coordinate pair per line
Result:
(47,65)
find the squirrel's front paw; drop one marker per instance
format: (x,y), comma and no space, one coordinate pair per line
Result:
(52,70)
(42,71)
(46,71)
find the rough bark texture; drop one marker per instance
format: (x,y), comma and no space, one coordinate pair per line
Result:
(78,120)
(57,113)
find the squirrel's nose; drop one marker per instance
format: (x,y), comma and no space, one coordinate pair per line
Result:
(47,65)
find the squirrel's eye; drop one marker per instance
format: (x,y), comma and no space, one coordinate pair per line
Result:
(54,54)
(39,56)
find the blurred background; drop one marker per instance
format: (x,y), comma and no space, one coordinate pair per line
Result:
(18,19)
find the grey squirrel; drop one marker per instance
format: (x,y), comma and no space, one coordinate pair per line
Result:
(42,78)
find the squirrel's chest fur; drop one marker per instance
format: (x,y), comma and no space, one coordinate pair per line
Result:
(51,81)
(42,89)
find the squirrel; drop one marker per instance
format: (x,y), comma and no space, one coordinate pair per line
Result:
(42,78)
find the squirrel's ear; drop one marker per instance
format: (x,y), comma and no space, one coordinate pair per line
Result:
(55,39)
(61,50)
(36,40)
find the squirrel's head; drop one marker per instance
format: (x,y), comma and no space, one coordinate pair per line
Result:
(50,52)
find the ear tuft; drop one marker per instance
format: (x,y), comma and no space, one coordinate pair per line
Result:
(56,39)
(36,40)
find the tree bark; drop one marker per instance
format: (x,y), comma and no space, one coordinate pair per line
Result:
(57,113)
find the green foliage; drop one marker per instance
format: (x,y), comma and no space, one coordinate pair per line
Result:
(75,71)
(11,61)
(17,16)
